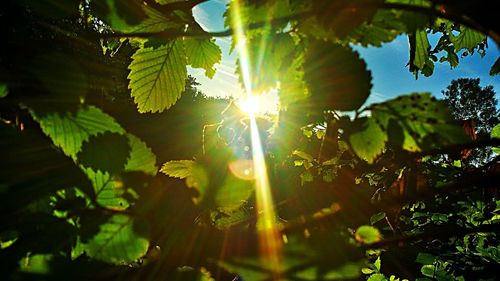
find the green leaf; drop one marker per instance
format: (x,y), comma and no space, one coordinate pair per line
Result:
(141,157)
(155,22)
(495,133)
(269,57)
(495,68)
(428,270)
(108,190)
(4,91)
(412,20)
(303,155)
(467,39)
(383,28)
(377,277)
(368,234)
(367,138)
(194,173)
(69,131)
(105,152)
(117,241)
(418,121)
(233,192)
(36,264)
(118,14)
(203,53)
(352,81)
(301,259)
(178,168)
(377,217)
(421,49)
(158,76)
(425,258)
(378,263)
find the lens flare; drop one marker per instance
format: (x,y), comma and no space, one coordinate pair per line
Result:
(270,242)
(269,237)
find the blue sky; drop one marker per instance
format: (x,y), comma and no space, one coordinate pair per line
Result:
(388,64)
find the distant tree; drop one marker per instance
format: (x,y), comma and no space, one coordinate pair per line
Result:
(469,101)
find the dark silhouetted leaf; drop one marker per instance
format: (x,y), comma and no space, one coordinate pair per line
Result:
(105,152)
(337,77)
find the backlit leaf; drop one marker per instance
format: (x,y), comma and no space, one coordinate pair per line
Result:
(377,277)
(421,49)
(157,76)
(69,131)
(108,190)
(367,139)
(141,157)
(203,53)
(368,234)
(178,168)
(117,241)
(467,39)
(418,121)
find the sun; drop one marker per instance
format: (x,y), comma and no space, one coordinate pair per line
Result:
(250,105)
(263,104)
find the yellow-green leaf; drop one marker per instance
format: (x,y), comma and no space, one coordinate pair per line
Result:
(158,76)
(203,53)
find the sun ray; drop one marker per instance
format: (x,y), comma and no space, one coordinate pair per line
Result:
(270,242)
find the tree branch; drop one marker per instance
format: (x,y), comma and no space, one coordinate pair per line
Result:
(303,15)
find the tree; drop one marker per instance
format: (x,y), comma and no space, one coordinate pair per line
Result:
(469,101)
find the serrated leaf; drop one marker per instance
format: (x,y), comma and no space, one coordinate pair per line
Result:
(178,168)
(108,190)
(194,173)
(421,49)
(368,234)
(336,76)
(158,76)
(105,152)
(384,27)
(203,53)
(69,131)
(418,121)
(141,157)
(467,39)
(155,22)
(116,242)
(367,139)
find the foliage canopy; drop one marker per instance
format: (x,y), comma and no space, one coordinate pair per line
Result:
(115,167)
